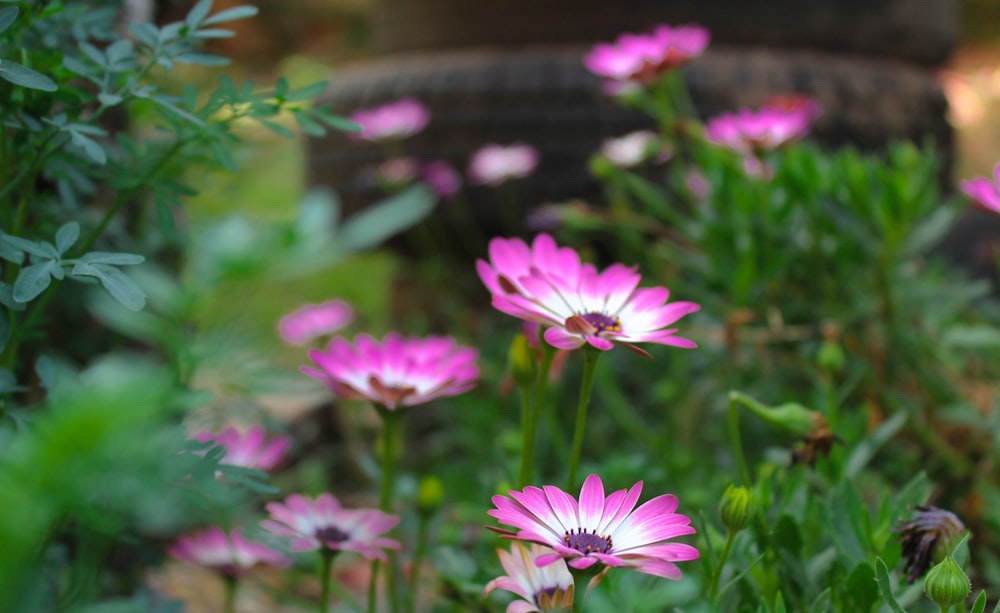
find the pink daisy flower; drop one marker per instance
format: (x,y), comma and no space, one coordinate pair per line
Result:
(549,588)
(230,554)
(642,58)
(250,449)
(983,191)
(494,164)
(313,320)
(747,131)
(442,178)
(313,524)
(598,530)
(629,150)
(397,371)
(392,121)
(548,284)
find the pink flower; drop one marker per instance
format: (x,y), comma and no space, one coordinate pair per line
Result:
(391,121)
(494,164)
(642,58)
(230,554)
(398,171)
(549,588)
(983,191)
(314,320)
(312,524)
(548,284)
(398,371)
(442,178)
(747,131)
(631,149)
(598,530)
(250,449)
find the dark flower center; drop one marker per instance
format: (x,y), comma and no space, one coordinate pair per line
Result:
(602,322)
(331,534)
(587,542)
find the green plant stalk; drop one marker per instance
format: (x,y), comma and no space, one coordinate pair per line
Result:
(326,556)
(390,436)
(419,552)
(229,603)
(532,411)
(590,356)
(717,574)
(734,436)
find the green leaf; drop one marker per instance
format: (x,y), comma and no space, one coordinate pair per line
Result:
(9,251)
(231,14)
(980,605)
(972,337)
(885,587)
(202,59)
(92,148)
(26,77)
(5,330)
(308,125)
(109,99)
(119,285)
(33,280)
(823,602)
(114,259)
(66,236)
(336,122)
(375,224)
(25,245)
(198,13)
(7,297)
(278,128)
(7,16)
(308,92)
(859,589)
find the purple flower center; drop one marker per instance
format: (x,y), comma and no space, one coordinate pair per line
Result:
(587,542)
(331,534)
(602,322)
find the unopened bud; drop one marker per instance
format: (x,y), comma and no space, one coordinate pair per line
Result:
(831,356)
(737,508)
(790,417)
(946,583)
(430,494)
(521,360)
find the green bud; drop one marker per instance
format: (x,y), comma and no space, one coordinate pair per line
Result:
(521,360)
(737,508)
(946,583)
(831,356)
(430,494)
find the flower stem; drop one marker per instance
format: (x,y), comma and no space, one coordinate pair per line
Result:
(532,410)
(713,590)
(590,356)
(229,604)
(391,434)
(734,437)
(325,564)
(418,558)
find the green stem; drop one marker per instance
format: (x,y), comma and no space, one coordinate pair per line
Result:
(391,433)
(713,590)
(419,551)
(325,565)
(734,437)
(533,412)
(229,604)
(590,356)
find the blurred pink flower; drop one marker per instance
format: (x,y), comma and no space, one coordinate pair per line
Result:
(493,164)
(548,284)
(631,149)
(441,177)
(398,371)
(549,588)
(984,192)
(747,131)
(790,102)
(391,121)
(313,320)
(398,171)
(697,184)
(250,449)
(231,554)
(642,58)
(313,524)
(598,530)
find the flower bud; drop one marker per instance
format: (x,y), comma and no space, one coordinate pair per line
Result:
(790,417)
(430,494)
(737,508)
(521,360)
(946,583)
(830,356)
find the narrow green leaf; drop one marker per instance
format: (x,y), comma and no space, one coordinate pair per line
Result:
(92,148)
(336,122)
(885,587)
(9,251)
(7,297)
(32,281)
(66,236)
(202,59)
(25,77)
(198,13)
(24,245)
(278,128)
(212,33)
(5,329)
(231,14)
(119,285)
(308,92)
(823,602)
(373,225)
(308,124)
(7,16)
(980,604)
(114,259)
(109,99)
